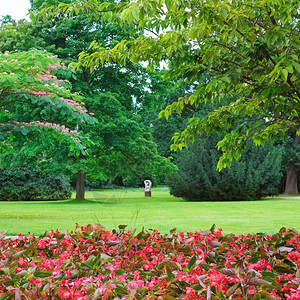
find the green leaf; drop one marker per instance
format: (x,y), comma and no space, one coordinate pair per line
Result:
(266,274)
(24,131)
(42,274)
(232,289)
(6,297)
(96,261)
(192,263)
(284,74)
(122,226)
(170,275)
(119,272)
(135,13)
(284,268)
(120,290)
(61,276)
(289,68)
(212,229)
(226,79)
(224,12)
(296,65)
(173,230)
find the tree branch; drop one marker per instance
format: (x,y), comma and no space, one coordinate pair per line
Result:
(152,32)
(232,49)
(235,63)
(238,31)
(249,80)
(272,19)
(260,24)
(270,58)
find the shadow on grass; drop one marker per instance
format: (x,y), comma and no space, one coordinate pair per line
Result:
(82,202)
(116,200)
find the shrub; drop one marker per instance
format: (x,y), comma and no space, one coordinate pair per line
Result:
(257,174)
(156,171)
(137,180)
(25,184)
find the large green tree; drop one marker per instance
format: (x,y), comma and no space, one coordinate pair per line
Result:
(18,35)
(250,48)
(115,94)
(68,37)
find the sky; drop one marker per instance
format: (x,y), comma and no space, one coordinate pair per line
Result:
(16,8)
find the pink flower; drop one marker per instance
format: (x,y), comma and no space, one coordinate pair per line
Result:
(251,290)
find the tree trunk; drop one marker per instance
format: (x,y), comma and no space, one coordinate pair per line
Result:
(86,75)
(291,186)
(80,185)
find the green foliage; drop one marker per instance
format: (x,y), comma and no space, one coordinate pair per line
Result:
(163,130)
(68,37)
(25,184)
(122,144)
(117,95)
(18,35)
(137,179)
(156,169)
(36,105)
(254,176)
(249,49)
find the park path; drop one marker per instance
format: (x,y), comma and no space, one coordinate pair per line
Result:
(283,197)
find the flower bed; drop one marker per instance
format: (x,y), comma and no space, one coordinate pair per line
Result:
(93,263)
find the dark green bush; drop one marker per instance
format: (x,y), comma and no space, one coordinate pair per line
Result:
(256,175)
(25,184)
(137,180)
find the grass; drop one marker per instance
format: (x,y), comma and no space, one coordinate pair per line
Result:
(161,211)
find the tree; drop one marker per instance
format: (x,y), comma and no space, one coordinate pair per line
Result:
(68,37)
(121,143)
(18,35)
(162,129)
(249,49)
(35,105)
(290,165)
(256,175)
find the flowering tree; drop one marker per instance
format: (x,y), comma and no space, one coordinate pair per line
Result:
(35,105)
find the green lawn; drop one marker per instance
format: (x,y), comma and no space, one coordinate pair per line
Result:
(161,211)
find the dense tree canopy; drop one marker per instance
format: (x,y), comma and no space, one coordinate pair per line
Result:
(122,144)
(68,37)
(249,48)
(17,35)
(36,105)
